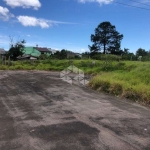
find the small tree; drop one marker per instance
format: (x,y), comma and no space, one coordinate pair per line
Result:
(107,38)
(16,49)
(126,51)
(141,52)
(61,54)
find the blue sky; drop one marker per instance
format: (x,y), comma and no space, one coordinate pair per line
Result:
(68,24)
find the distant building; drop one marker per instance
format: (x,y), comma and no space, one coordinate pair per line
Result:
(33,52)
(78,54)
(72,54)
(53,51)
(26,57)
(43,50)
(2,52)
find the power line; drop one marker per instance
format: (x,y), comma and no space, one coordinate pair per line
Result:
(140,3)
(132,5)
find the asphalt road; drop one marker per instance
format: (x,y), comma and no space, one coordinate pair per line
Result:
(39,111)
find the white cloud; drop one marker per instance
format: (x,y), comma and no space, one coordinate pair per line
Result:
(24,3)
(98,1)
(5,14)
(83,50)
(34,22)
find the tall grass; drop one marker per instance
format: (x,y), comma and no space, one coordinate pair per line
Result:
(131,81)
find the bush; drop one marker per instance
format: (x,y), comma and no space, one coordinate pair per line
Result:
(106,57)
(116,89)
(3,67)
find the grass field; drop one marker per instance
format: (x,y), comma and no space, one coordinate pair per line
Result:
(132,81)
(129,79)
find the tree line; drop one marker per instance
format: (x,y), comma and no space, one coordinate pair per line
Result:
(106,40)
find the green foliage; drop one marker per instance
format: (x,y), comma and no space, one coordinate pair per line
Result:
(43,57)
(60,54)
(106,57)
(107,38)
(3,67)
(141,52)
(115,88)
(126,51)
(16,50)
(146,58)
(129,56)
(86,55)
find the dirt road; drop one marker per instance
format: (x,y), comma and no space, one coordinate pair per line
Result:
(39,111)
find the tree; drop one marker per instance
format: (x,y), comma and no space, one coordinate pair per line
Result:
(107,38)
(61,54)
(126,51)
(141,52)
(16,49)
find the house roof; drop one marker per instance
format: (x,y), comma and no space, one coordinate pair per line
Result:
(31,51)
(2,51)
(42,49)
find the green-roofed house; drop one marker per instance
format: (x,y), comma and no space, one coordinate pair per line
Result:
(33,52)
(43,50)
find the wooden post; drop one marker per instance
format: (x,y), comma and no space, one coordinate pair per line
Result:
(5,60)
(9,61)
(2,59)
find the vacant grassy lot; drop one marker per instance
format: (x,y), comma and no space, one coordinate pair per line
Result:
(129,79)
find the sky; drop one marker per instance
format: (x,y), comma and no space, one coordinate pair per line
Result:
(68,24)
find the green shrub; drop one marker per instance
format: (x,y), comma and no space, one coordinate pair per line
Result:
(3,67)
(116,89)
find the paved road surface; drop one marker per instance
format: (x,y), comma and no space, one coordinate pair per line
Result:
(38,111)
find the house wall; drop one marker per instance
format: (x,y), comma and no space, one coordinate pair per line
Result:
(2,53)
